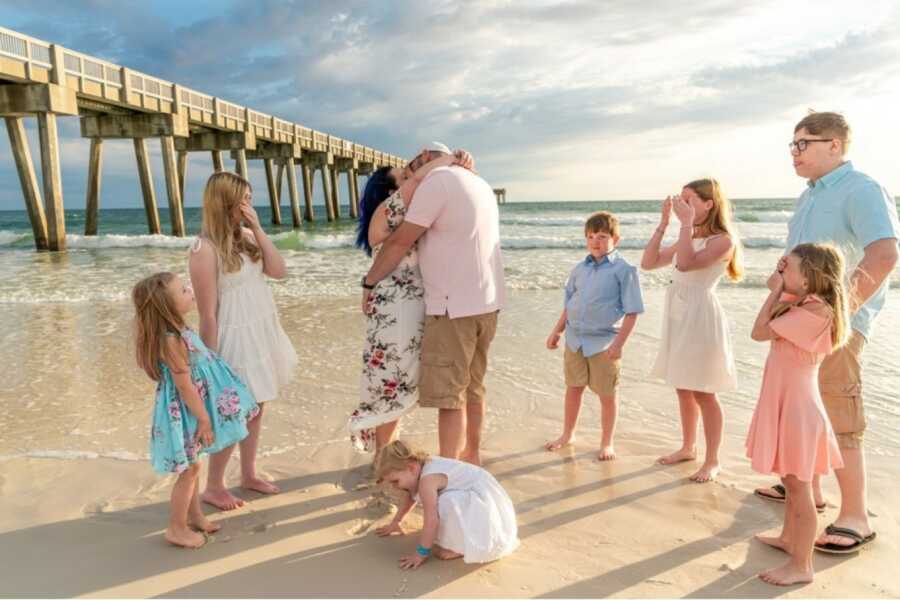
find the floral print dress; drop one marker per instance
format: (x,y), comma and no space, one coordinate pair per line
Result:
(388,387)
(173,444)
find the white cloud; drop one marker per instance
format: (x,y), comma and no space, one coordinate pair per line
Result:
(558,100)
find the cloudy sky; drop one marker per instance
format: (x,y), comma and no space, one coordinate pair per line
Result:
(569,100)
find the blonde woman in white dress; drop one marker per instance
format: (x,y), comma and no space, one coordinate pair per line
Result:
(229,264)
(695,354)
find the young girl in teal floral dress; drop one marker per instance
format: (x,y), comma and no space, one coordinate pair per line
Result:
(201,405)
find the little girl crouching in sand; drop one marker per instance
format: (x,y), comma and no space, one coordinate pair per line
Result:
(806,318)
(201,405)
(467,513)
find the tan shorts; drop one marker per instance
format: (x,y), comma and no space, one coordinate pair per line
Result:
(597,372)
(454,360)
(840,384)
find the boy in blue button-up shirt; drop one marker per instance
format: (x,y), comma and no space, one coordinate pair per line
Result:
(603,300)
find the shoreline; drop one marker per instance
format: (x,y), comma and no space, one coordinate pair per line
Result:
(627,527)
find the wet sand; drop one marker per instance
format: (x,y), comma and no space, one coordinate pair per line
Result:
(82,514)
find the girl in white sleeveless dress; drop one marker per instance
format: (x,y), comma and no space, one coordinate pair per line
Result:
(695,354)
(467,512)
(229,264)
(250,334)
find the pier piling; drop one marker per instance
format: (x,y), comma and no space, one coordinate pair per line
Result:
(52,175)
(307,176)
(92,196)
(240,163)
(274,192)
(46,80)
(18,141)
(173,185)
(335,189)
(182,171)
(279,178)
(292,189)
(149,194)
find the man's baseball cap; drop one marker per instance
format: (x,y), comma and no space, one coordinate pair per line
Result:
(438,147)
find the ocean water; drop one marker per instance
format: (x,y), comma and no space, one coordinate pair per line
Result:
(540,242)
(74,391)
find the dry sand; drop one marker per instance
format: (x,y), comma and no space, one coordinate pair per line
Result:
(93,527)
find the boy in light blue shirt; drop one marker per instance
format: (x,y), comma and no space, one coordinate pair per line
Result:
(603,300)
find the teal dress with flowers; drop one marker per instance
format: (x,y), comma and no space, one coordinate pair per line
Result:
(173,444)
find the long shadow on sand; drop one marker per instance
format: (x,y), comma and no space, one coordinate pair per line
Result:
(105,550)
(347,569)
(736,582)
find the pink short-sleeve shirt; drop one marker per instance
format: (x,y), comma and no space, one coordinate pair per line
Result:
(459,255)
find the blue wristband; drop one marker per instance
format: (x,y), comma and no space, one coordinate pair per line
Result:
(423,551)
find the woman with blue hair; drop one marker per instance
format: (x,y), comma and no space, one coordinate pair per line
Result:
(396,313)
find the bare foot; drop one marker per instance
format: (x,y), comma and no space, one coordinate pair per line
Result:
(221,499)
(561,441)
(203,524)
(706,473)
(470,457)
(606,453)
(185,538)
(787,574)
(260,485)
(775,541)
(444,554)
(676,457)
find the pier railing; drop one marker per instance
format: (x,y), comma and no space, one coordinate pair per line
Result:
(47,80)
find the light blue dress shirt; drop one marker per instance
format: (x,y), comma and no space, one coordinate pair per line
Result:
(598,295)
(850,210)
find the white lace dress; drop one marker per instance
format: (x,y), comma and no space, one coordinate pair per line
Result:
(695,350)
(477,516)
(388,385)
(251,339)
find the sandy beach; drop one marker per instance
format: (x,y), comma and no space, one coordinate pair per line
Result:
(91,523)
(705,125)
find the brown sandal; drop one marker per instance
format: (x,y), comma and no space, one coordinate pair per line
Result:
(780,495)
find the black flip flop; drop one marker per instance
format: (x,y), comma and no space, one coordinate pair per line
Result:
(782,494)
(778,489)
(858,541)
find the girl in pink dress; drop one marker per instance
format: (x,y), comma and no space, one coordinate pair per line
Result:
(806,318)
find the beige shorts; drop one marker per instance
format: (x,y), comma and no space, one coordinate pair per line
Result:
(597,372)
(454,360)
(840,384)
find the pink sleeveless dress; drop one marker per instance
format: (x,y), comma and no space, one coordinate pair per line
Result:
(790,433)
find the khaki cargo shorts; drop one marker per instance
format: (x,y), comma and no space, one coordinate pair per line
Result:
(454,360)
(597,372)
(840,384)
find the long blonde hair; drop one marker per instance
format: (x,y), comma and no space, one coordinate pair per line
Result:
(225,190)
(718,221)
(823,267)
(155,317)
(396,456)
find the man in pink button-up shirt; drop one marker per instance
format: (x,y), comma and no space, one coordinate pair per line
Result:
(454,212)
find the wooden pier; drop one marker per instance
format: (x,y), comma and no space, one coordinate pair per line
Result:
(500,194)
(44,80)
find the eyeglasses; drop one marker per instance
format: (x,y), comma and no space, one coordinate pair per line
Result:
(801,144)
